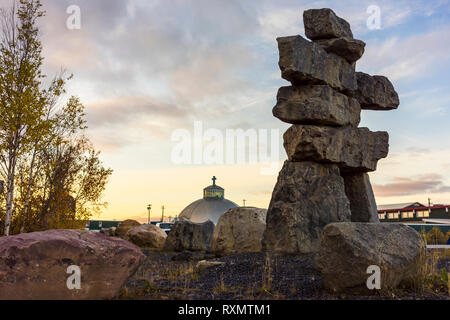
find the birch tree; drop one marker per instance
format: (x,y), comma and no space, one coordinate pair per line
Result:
(24,101)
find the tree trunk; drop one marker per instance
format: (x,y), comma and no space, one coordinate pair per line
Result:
(27,201)
(10,195)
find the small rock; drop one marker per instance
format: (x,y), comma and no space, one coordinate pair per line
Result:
(187,235)
(304,62)
(376,92)
(347,48)
(325,24)
(239,230)
(147,236)
(353,149)
(204,264)
(316,104)
(362,200)
(109,231)
(125,226)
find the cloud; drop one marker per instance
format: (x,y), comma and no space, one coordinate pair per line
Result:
(123,121)
(415,150)
(427,183)
(152,64)
(126,110)
(408,58)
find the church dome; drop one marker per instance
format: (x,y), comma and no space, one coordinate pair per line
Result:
(210,207)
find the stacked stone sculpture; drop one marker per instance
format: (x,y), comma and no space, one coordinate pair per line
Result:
(325,178)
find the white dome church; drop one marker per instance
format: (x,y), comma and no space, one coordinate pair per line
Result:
(211,207)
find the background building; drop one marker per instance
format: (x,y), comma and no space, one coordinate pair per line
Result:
(413,212)
(211,207)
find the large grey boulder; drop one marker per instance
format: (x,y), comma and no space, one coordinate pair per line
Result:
(306,198)
(353,149)
(348,48)
(376,92)
(304,62)
(125,226)
(325,24)
(348,249)
(362,200)
(189,236)
(147,236)
(36,265)
(316,104)
(239,230)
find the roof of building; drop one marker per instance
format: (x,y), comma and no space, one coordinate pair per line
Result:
(203,210)
(437,221)
(412,206)
(404,205)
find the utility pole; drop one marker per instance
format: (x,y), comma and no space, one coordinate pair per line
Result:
(244,202)
(149,209)
(429,202)
(162,216)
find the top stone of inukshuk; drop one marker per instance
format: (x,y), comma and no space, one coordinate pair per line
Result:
(325,177)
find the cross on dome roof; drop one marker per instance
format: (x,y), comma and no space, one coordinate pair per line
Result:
(213,191)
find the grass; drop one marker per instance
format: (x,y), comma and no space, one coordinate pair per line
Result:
(221,287)
(141,288)
(428,279)
(267,275)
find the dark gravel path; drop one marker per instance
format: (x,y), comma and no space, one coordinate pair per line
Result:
(243,276)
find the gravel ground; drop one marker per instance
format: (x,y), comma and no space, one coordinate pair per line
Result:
(243,276)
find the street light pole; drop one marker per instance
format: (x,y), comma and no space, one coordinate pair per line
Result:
(149,208)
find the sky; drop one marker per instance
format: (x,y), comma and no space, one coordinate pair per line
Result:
(149,71)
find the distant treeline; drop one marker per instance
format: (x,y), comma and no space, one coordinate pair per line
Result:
(436,236)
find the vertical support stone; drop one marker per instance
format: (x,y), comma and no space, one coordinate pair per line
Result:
(362,200)
(307,197)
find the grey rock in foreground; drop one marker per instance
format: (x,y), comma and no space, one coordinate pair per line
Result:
(376,92)
(147,236)
(304,62)
(325,24)
(34,265)
(350,49)
(316,104)
(189,236)
(362,200)
(306,198)
(353,149)
(348,249)
(239,230)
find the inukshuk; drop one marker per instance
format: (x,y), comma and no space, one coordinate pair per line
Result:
(325,177)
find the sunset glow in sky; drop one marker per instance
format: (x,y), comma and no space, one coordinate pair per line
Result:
(147,68)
